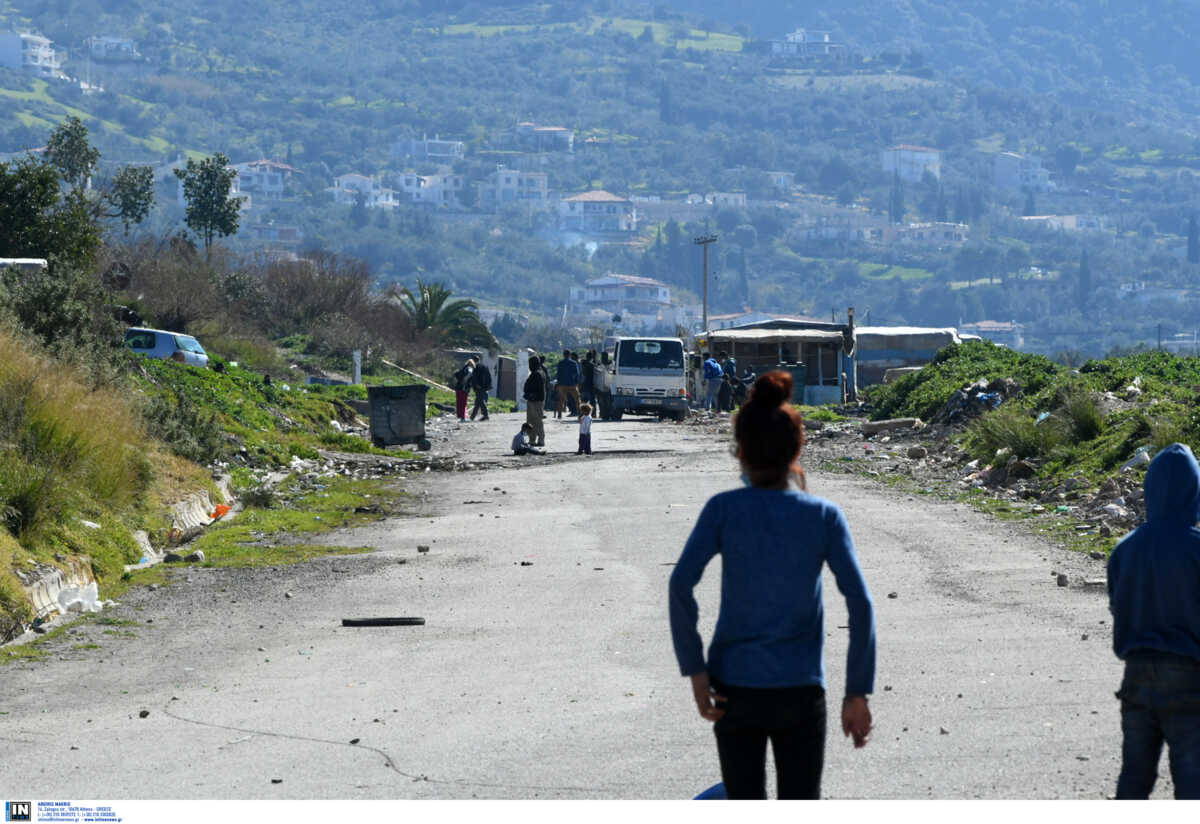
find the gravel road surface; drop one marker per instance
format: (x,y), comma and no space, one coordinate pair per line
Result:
(545,669)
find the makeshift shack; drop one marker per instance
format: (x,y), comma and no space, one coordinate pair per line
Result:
(825,351)
(881,348)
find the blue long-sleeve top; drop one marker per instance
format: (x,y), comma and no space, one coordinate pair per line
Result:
(1154,573)
(568,372)
(770,628)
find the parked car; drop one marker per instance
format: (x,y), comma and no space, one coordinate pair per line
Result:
(156,343)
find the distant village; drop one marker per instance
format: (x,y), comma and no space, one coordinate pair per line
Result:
(528,152)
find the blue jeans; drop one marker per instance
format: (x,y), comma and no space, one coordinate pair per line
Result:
(1160,702)
(712,388)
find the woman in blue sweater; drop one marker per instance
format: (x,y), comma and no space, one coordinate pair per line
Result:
(765,674)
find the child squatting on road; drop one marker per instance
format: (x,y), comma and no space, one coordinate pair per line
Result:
(520,441)
(764,677)
(585,429)
(1154,595)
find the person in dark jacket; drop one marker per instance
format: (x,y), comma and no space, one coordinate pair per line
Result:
(1154,595)
(587,388)
(764,677)
(534,393)
(725,394)
(481,382)
(567,380)
(462,389)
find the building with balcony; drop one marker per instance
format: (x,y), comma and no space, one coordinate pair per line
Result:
(1020,172)
(642,304)
(912,162)
(509,187)
(430,149)
(597,212)
(265,179)
(30,53)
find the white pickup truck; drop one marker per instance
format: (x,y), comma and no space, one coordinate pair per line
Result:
(644,376)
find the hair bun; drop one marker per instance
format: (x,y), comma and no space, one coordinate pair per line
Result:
(772,389)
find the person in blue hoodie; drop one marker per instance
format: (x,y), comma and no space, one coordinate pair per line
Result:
(765,674)
(1154,595)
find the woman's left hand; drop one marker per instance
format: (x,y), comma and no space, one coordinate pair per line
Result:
(856,719)
(706,698)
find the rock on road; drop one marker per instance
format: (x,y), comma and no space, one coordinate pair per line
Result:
(545,668)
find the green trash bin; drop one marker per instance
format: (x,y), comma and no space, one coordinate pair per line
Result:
(398,415)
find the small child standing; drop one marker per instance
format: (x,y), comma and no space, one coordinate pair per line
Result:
(520,441)
(585,429)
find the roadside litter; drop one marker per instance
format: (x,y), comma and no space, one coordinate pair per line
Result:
(383,622)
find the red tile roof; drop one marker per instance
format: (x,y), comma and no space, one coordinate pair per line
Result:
(597,196)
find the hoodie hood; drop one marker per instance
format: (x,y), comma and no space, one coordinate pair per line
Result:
(1173,487)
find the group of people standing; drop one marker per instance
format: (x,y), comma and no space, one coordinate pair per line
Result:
(574,394)
(724,391)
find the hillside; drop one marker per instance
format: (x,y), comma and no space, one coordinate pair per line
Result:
(670,101)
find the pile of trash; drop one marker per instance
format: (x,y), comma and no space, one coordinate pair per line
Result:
(973,400)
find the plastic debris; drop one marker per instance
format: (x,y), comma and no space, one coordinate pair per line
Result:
(80,599)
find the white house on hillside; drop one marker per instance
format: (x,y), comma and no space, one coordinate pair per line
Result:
(807,44)
(116,49)
(266,179)
(597,211)
(346,189)
(427,148)
(912,162)
(643,304)
(31,53)
(440,190)
(1021,172)
(506,187)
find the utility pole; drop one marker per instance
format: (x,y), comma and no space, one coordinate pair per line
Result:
(702,241)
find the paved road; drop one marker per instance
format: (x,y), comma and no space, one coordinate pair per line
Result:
(545,668)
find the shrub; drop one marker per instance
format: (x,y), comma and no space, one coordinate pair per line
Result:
(1083,417)
(1163,433)
(260,497)
(1016,430)
(188,430)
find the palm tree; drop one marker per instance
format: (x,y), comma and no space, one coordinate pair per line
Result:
(451,322)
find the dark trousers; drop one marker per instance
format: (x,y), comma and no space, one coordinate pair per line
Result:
(460,403)
(585,443)
(481,399)
(792,719)
(1160,703)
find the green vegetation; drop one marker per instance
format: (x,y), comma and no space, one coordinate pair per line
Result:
(1084,424)
(281,533)
(923,394)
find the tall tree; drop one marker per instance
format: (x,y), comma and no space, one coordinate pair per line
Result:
(1085,279)
(128,195)
(1193,240)
(358,212)
(68,151)
(896,200)
(211,210)
(38,220)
